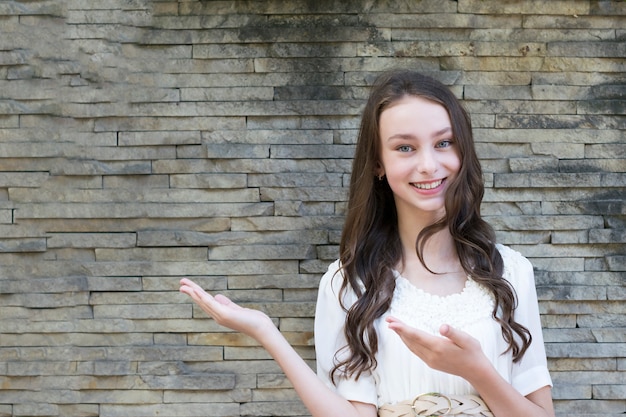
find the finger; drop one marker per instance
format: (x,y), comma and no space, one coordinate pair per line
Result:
(187,285)
(195,291)
(417,340)
(197,294)
(458,337)
(396,324)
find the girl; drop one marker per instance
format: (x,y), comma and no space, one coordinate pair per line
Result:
(423,314)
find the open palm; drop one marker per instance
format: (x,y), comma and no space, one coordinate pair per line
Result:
(225,312)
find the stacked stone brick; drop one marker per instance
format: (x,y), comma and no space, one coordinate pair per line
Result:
(145,141)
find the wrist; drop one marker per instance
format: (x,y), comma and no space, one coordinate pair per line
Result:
(266,332)
(482,372)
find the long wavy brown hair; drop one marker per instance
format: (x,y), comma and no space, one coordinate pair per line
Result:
(370,246)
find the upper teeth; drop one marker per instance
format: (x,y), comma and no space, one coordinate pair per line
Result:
(428,186)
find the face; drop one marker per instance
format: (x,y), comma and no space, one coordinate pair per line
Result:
(418,156)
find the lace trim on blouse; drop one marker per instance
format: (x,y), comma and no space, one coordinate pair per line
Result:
(427,311)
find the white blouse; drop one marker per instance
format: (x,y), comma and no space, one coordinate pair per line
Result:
(401,375)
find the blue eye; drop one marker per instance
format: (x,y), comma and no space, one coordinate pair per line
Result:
(405,148)
(444,144)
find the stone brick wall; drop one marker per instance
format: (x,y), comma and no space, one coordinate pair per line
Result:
(143,141)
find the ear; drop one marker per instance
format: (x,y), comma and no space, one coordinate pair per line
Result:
(379,170)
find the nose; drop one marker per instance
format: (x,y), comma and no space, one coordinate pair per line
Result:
(426,162)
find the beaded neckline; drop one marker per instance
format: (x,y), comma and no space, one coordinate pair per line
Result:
(429,311)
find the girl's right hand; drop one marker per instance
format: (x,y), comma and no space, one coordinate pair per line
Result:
(226,313)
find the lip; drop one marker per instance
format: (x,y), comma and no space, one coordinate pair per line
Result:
(429,187)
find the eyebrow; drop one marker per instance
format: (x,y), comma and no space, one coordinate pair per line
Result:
(411,136)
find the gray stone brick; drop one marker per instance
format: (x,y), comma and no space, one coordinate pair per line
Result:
(227,94)
(91,240)
(286,223)
(572,293)
(565,237)
(274,281)
(186,238)
(520,107)
(493,63)
(300,208)
(270,136)
(35,409)
(609,392)
(546,221)
(157,138)
(262,252)
(571,391)
(237,151)
(540,164)
(22,245)
(304,194)
(559,264)
(605,207)
(159,124)
(151,254)
(613,150)
(578,278)
(245,353)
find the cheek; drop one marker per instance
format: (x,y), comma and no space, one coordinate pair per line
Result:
(454,163)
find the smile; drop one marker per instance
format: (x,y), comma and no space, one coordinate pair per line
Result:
(427,185)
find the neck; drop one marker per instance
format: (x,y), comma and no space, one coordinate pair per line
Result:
(439,251)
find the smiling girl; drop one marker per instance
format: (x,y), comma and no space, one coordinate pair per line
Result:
(423,313)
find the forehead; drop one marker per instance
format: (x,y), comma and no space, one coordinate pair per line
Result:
(413,112)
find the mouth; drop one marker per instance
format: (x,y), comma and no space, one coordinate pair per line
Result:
(428,185)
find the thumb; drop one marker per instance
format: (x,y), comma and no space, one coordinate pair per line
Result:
(458,337)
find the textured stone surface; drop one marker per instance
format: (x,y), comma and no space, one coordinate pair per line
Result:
(142,141)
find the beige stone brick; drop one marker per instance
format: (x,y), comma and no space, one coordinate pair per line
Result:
(561,150)
(295,408)
(231,396)
(529,7)
(175,409)
(520,107)
(136,210)
(159,123)
(191,268)
(491,63)
(39,408)
(497,92)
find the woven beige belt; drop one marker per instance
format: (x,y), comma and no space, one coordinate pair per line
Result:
(436,404)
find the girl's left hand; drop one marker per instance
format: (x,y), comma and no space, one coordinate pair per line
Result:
(456,353)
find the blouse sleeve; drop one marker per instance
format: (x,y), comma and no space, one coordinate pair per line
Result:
(330,319)
(531,372)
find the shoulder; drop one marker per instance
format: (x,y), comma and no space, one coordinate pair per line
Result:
(332,282)
(517,269)
(331,275)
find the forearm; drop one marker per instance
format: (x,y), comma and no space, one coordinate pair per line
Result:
(506,401)
(316,396)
